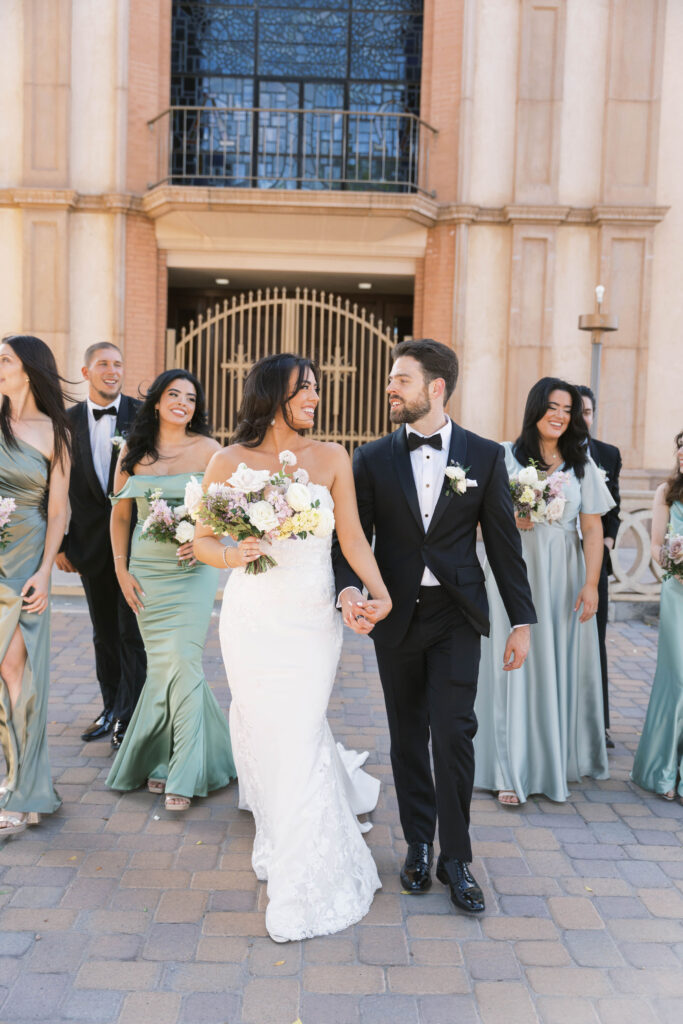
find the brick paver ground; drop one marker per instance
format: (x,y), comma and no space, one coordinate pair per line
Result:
(115,910)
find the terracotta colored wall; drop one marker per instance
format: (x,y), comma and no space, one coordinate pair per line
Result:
(145,304)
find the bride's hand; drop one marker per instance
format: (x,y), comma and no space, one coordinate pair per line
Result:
(248,551)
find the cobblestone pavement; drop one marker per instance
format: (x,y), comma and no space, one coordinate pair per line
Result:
(114,910)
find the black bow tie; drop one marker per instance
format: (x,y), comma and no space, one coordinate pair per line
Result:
(416,441)
(111,410)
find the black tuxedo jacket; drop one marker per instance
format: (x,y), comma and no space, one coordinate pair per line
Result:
(87,544)
(388,503)
(608,457)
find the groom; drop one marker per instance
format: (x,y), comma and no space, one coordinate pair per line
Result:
(423,490)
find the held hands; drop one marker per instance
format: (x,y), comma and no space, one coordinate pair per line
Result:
(131,589)
(588,597)
(35,591)
(361,615)
(516,648)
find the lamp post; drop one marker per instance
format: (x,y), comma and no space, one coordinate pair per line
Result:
(597,324)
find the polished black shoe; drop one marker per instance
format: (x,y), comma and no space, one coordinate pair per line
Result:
(118,733)
(416,873)
(609,742)
(465,892)
(100,727)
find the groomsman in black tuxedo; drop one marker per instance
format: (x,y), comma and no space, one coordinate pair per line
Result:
(98,425)
(608,458)
(422,490)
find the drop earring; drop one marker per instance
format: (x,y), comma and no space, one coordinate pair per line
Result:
(272,422)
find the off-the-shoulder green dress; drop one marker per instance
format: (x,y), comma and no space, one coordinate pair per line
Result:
(178,732)
(24,475)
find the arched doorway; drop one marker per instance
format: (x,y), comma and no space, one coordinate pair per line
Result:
(352,349)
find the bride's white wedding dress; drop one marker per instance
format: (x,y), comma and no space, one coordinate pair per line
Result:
(281,640)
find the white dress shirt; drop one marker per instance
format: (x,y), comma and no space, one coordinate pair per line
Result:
(101,432)
(429,473)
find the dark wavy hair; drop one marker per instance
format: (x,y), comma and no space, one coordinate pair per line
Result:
(144,432)
(46,383)
(436,359)
(572,444)
(674,489)
(266,390)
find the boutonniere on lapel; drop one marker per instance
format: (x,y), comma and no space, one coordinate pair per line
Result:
(117,441)
(457,481)
(603,473)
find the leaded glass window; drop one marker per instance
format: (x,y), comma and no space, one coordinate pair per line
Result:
(271,70)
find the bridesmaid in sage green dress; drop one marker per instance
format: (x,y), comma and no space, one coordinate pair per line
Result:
(34,472)
(544,724)
(658,764)
(178,740)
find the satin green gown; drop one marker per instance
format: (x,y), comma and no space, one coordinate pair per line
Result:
(24,473)
(658,764)
(178,732)
(543,724)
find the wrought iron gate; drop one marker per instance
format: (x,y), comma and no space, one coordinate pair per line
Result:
(352,349)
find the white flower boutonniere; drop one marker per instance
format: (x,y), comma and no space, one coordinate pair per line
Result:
(603,473)
(457,480)
(117,441)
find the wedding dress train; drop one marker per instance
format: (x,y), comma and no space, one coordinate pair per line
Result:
(281,640)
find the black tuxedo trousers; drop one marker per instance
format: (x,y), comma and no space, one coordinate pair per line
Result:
(430,682)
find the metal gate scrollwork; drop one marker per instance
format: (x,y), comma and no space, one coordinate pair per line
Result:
(352,349)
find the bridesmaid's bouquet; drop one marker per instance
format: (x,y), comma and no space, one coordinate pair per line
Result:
(256,503)
(672,555)
(536,496)
(7,507)
(165,522)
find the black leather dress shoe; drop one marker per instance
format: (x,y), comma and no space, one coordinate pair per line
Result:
(465,892)
(100,727)
(118,733)
(416,871)
(609,742)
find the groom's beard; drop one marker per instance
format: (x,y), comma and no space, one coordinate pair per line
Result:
(408,412)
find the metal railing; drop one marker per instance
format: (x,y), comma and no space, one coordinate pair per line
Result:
(269,147)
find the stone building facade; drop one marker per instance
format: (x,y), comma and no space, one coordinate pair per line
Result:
(547,161)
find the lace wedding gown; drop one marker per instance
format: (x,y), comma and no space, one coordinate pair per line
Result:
(281,640)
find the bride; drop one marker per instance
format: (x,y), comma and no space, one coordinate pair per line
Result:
(281,640)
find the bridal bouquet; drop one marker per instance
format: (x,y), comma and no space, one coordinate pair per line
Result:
(672,555)
(167,523)
(537,497)
(7,507)
(256,503)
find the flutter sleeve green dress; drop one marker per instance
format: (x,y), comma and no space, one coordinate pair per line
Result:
(543,724)
(178,732)
(24,474)
(658,764)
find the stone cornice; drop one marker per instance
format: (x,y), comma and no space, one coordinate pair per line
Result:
(168,198)
(165,199)
(69,199)
(635,216)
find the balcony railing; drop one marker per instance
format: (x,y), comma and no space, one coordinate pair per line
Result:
(267,147)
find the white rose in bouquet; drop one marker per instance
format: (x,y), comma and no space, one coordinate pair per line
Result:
(180,511)
(287,458)
(528,476)
(325,523)
(300,476)
(184,532)
(249,481)
(554,510)
(538,514)
(261,514)
(298,497)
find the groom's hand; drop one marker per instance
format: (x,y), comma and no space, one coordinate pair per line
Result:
(517,648)
(353,610)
